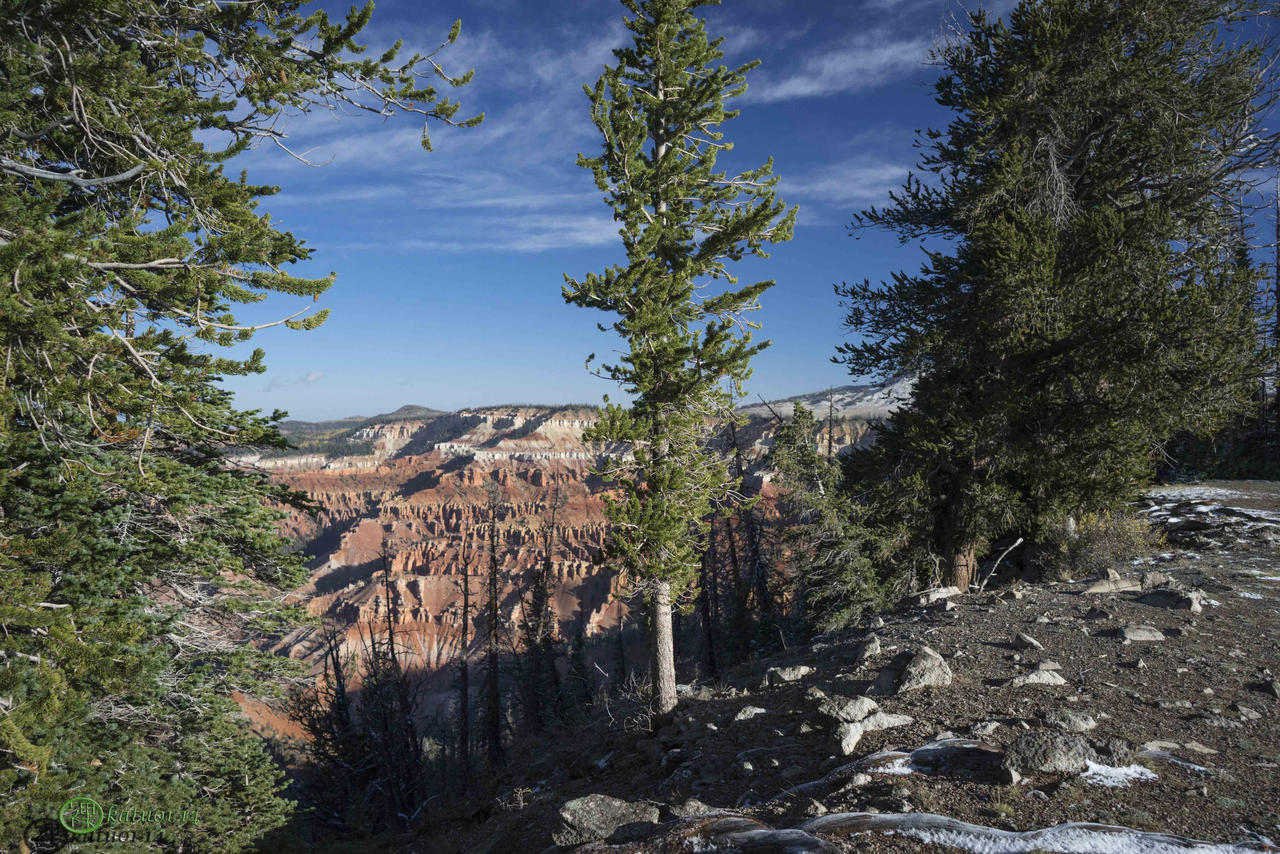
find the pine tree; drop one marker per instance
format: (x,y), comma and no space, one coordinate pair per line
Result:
(1085,307)
(834,555)
(658,110)
(145,569)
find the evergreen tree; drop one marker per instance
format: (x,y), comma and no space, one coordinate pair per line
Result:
(141,569)
(834,555)
(681,221)
(1086,305)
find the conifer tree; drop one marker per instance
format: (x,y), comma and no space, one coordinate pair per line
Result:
(141,569)
(834,554)
(681,221)
(1086,306)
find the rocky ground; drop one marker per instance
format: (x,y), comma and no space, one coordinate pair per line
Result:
(1131,712)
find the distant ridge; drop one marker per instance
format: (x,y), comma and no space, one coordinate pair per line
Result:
(871,401)
(408,412)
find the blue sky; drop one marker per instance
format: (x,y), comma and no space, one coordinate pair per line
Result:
(450,263)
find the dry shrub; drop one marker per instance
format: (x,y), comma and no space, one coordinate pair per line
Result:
(1096,542)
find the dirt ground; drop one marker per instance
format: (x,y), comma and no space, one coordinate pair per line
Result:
(1195,715)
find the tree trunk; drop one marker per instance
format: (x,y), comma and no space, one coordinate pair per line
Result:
(464,682)
(704,610)
(663,654)
(493,697)
(961,567)
(758,571)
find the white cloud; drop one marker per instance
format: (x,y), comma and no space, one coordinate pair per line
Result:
(524,234)
(865,62)
(277,383)
(857,181)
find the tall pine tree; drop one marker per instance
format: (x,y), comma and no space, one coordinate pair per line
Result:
(681,221)
(1086,306)
(139,567)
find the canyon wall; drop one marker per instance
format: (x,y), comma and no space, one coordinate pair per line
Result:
(402,527)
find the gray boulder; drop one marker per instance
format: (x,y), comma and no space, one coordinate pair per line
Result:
(849,734)
(1050,752)
(1068,721)
(595,817)
(846,710)
(926,669)
(782,675)
(1026,641)
(1132,633)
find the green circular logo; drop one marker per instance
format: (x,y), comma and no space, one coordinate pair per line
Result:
(81,815)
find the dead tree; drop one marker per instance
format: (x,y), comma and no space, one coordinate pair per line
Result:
(493,696)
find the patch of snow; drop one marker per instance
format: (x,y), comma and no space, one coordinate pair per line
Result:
(1107,775)
(900,766)
(1073,838)
(1214,602)
(1245,594)
(1193,492)
(1269,577)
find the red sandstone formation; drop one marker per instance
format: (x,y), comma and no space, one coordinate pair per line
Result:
(421,495)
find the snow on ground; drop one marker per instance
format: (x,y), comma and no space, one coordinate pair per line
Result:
(1074,838)
(1107,775)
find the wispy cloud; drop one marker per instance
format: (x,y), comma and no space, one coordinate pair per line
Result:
(529,234)
(277,383)
(863,62)
(857,181)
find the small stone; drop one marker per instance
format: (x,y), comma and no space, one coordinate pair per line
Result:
(1037,677)
(1246,713)
(782,675)
(1199,748)
(928,597)
(984,729)
(1135,633)
(926,669)
(690,808)
(849,734)
(814,808)
(1048,665)
(868,649)
(1170,597)
(877,622)
(1025,641)
(747,713)
(847,710)
(1114,585)
(1068,721)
